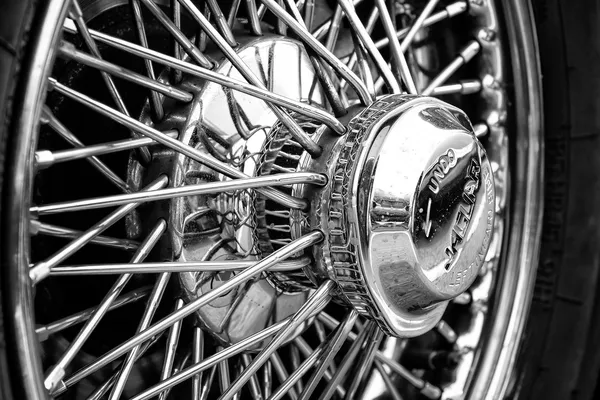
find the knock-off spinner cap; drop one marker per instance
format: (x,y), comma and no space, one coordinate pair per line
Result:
(412,211)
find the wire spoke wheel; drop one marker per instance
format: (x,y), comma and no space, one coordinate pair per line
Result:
(276,199)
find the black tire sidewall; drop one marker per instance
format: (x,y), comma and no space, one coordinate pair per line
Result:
(560,357)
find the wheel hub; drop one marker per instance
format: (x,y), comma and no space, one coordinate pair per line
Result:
(408,213)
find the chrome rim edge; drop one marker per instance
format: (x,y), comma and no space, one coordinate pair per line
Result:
(16,209)
(503,342)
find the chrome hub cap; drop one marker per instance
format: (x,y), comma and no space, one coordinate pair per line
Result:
(408,215)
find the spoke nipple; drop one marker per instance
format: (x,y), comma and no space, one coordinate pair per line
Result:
(34,227)
(470,86)
(34,212)
(496,119)
(43,159)
(46,115)
(321,180)
(486,35)
(456,8)
(479,306)
(446,331)
(430,391)
(39,272)
(480,130)
(462,299)
(470,50)
(53,381)
(490,82)
(51,84)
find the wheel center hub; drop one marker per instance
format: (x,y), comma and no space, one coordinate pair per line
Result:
(408,213)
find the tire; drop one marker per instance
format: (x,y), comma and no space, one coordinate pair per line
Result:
(559,356)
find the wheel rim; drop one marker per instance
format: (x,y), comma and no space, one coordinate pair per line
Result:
(486,380)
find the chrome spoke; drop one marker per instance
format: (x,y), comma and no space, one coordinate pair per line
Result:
(42,228)
(463,87)
(298,373)
(267,379)
(45,158)
(464,56)
(280,26)
(450,11)
(212,361)
(329,352)
(321,71)
(208,380)
(183,41)
(135,353)
(198,356)
(322,30)
(425,387)
(364,363)
(295,9)
(363,65)
(68,51)
(235,6)
(334,28)
(155,100)
(324,78)
(399,61)
(364,37)
(174,267)
(168,141)
(346,364)
(261,93)
(391,387)
(373,18)
(62,130)
(57,372)
(322,51)
(254,17)
(112,88)
(171,349)
(181,191)
(282,374)
(295,361)
(42,268)
(316,300)
(249,273)
(45,331)
(203,37)
(110,382)
(306,350)
(177,53)
(223,371)
(309,14)
(418,24)
(253,383)
(221,22)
